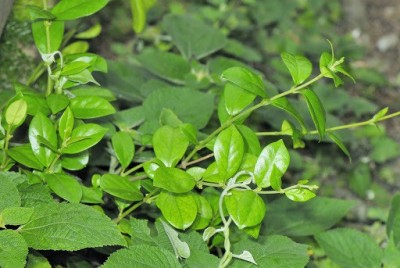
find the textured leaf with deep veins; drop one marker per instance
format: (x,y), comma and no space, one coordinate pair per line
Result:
(142,256)
(271,165)
(350,248)
(13,249)
(65,226)
(9,196)
(228,151)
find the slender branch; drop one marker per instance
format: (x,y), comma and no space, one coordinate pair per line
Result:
(185,165)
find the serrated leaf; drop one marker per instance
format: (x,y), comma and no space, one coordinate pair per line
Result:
(120,187)
(9,196)
(316,110)
(142,256)
(393,221)
(85,136)
(245,79)
(87,107)
(65,186)
(69,227)
(179,210)
(74,9)
(24,155)
(339,143)
(169,145)
(236,98)
(300,68)
(16,113)
(245,207)
(123,147)
(350,248)
(34,194)
(228,152)
(271,165)
(173,180)
(13,249)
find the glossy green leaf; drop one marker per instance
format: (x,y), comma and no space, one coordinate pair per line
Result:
(284,104)
(204,213)
(24,155)
(170,145)
(74,67)
(350,248)
(139,10)
(120,187)
(300,68)
(65,186)
(91,195)
(64,226)
(339,143)
(192,36)
(142,256)
(252,144)
(300,194)
(123,147)
(271,165)
(13,249)
(96,62)
(56,32)
(86,107)
(393,221)
(16,113)
(90,33)
(173,180)
(326,68)
(37,13)
(381,113)
(57,103)
(9,196)
(83,137)
(236,98)
(74,9)
(317,111)
(245,79)
(76,161)
(93,91)
(42,126)
(66,124)
(180,210)
(245,207)
(15,216)
(228,152)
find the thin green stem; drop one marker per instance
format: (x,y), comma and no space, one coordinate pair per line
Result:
(130,171)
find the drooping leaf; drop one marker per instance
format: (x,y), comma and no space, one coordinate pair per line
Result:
(300,68)
(228,151)
(13,249)
(245,207)
(317,111)
(169,145)
(87,107)
(142,256)
(123,147)
(74,9)
(350,248)
(271,165)
(339,143)
(120,187)
(179,210)
(65,186)
(284,104)
(173,180)
(245,79)
(65,226)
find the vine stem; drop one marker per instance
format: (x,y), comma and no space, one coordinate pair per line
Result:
(282,191)
(246,112)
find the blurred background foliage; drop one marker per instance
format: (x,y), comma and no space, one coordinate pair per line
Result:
(247,32)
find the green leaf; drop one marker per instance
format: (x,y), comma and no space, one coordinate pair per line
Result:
(56,33)
(42,126)
(204,213)
(57,102)
(13,249)
(300,194)
(76,161)
(24,155)
(181,248)
(173,180)
(74,67)
(85,136)
(228,151)
(179,210)
(393,221)
(87,107)
(91,195)
(123,147)
(245,207)
(271,165)
(169,145)
(9,196)
(192,36)
(37,13)
(317,111)
(62,226)
(74,9)
(16,113)
(236,98)
(142,256)
(139,10)
(339,143)
(326,68)
(303,219)
(66,124)
(34,194)
(93,91)
(300,68)
(65,186)
(15,216)
(272,252)
(90,33)
(245,79)
(381,113)
(36,260)
(350,248)
(252,144)
(120,187)
(284,104)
